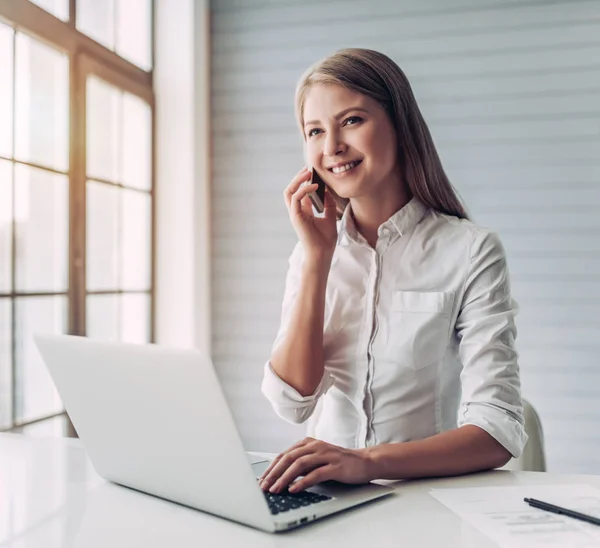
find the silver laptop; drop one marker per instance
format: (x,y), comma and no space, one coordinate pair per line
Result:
(155,419)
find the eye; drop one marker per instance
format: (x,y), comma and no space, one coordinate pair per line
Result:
(352,120)
(311,133)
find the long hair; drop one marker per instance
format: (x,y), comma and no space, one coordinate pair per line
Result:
(377,76)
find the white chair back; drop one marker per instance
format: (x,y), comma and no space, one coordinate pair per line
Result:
(533,458)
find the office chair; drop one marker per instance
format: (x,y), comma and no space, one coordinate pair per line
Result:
(533,458)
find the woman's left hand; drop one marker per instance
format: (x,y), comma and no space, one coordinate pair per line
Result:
(317,461)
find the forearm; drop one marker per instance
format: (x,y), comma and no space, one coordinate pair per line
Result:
(459,451)
(298,360)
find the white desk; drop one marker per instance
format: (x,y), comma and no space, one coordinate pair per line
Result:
(51,497)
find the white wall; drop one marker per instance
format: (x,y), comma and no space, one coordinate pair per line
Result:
(511,91)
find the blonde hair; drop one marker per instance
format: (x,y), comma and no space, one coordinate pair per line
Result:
(377,76)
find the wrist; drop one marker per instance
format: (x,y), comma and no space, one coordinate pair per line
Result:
(369,456)
(318,264)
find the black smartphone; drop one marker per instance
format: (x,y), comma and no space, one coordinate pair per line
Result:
(318,196)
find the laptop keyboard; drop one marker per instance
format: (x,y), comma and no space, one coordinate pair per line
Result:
(286,501)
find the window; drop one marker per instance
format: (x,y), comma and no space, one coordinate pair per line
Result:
(123,26)
(118,244)
(76,185)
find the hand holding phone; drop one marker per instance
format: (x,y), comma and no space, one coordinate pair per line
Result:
(314,220)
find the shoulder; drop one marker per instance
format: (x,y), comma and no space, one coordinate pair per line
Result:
(474,237)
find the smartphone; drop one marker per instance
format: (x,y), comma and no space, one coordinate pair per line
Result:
(318,196)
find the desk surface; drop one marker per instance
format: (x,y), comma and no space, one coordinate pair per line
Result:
(51,497)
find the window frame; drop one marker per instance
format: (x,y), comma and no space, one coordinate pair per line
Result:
(86,57)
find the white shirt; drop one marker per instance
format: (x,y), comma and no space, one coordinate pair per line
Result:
(419,335)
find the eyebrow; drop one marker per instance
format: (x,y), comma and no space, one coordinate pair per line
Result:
(338,115)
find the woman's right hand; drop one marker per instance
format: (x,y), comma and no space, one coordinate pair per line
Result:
(317,234)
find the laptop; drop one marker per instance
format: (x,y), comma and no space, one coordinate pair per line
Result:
(155,419)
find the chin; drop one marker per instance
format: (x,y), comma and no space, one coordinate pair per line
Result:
(350,192)
(348,189)
(344,195)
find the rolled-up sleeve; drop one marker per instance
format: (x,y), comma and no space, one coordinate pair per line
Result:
(287,402)
(485,326)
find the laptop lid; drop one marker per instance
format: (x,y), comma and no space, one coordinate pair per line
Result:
(156,419)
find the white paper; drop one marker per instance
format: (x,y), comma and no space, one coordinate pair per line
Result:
(503,515)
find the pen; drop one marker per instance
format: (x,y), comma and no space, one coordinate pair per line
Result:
(560,510)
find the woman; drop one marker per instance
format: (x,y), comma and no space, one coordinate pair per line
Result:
(398,318)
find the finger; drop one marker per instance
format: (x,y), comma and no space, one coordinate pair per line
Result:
(286,460)
(319,475)
(296,201)
(301,177)
(274,462)
(282,465)
(306,206)
(301,467)
(268,470)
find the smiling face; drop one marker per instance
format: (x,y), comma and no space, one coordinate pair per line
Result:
(351,142)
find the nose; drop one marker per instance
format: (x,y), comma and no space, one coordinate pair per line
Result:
(333,145)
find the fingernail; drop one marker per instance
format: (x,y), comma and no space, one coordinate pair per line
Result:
(272,489)
(292,488)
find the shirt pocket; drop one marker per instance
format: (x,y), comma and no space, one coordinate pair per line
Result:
(419,327)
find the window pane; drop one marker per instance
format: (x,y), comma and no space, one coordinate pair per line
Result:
(36,395)
(103,121)
(5,363)
(6,90)
(135,240)
(134,32)
(135,318)
(137,141)
(58,8)
(124,317)
(102,317)
(102,236)
(5,225)
(42,230)
(96,19)
(41,104)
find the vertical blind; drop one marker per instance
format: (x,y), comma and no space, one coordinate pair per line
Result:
(511,93)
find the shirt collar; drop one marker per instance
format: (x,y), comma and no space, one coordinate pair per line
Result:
(400,223)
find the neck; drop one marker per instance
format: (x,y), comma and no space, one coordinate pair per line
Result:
(370,212)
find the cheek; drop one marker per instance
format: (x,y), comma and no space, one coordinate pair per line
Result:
(312,153)
(372,142)
(383,149)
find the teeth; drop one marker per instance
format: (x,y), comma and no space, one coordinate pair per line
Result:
(343,168)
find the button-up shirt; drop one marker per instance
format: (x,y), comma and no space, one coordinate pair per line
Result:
(419,335)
